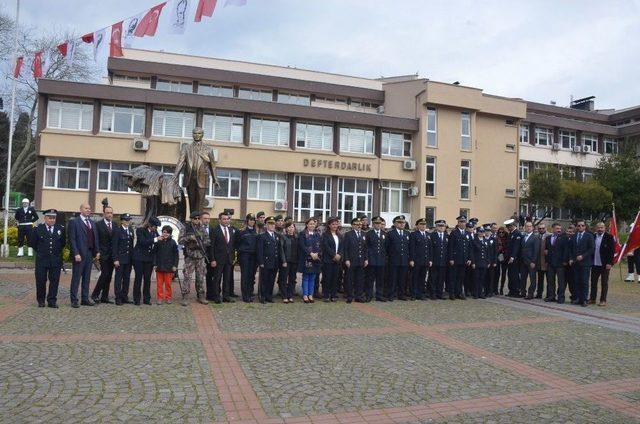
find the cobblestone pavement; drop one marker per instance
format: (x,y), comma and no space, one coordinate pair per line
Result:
(402,362)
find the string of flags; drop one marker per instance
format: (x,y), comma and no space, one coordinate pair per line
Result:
(177,15)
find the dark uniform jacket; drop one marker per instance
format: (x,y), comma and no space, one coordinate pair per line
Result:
(514,244)
(122,245)
(290,248)
(328,247)
(607,249)
(48,246)
(481,252)
(307,244)
(29,216)
(104,245)
(459,246)
(270,252)
(398,247)
(440,248)
(246,240)
(355,248)
(143,251)
(558,252)
(420,248)
(221,251)
(377,248)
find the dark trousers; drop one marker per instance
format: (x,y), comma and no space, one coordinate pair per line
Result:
(81,271)
(24,232)
(44,273)
(438,277)
(267,280)
(283,276)
(513,269)
(490,286)
(223,273)
(479,279)
(599,272)
(397,281)
(526,273)
(142,281)
(330,272)
(210,280)
(503,274)
(541,274)
(468,280)
(354,286)
(581,283)
(553,273)
(374,277)
(418,277)
(290,284)
(104,281)
(456,280)
(569,277)
(247,275)
(121,282)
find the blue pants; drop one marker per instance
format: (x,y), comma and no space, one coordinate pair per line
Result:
(456,281)
(121,282)
(374,274)
(81,270)
(308,283)
(418,277)
(44,273)
(247,274)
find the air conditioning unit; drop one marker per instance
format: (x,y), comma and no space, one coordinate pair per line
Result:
(577,149)
(555,146)
(409,165)
(380,110)
(586,149)
(210,201)
(510,192)
(140,144)
(413,191)
(280,206)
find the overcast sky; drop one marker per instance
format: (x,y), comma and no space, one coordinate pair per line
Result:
(537,50)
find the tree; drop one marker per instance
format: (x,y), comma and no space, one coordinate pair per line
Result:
(620,175)
(544,189)
(586,199)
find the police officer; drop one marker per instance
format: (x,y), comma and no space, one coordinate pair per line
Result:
(282,272)
(355,260)
(48,240)
(489,286)
(270,258)
(459,258)
(440,255)
(398,253)
(247,244)
(513,263)
(480,262)
(420,258)
(25,217)
(377,254)
(146,238)
(196,244)
(122,255)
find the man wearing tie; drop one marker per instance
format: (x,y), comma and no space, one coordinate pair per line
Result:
(439,248)
(84,240)
(419,258)
(48,240)
(529,251)
(602,263)
(459,258)
(105,229)
(557,256)
(398,251)
(270,257)
(223,253)
(513,264)
(355,260)
(377,254)
(582,248)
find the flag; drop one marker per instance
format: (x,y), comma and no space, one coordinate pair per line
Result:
(88,38)
(179,13)
(129,29)
(63,48)
(633,242)
(115,45)
(235,3)
(37,65)
(205,8)
(99,43)
(149,22)
(68,50)
(18,68)
(613,229)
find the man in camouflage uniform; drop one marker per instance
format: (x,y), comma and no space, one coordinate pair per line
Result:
(196,244)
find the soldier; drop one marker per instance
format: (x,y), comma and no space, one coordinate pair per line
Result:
(247,242)
(513,263)
(377,254)
(270,257)
(459,258)
(195,243)
(48,240)
(25,217)
(122,255)
(480,262)
(440,253)
(420,258)
(355,260)
(398,251)
(260,216)
(364,220)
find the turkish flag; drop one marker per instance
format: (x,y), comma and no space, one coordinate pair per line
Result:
(633,242)
(37,65)
(18,68)
(115,45)
(88,38)
(613,229)
(149,22)
(62,48)
(205,8)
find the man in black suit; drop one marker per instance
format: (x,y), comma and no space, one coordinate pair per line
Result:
(84,240)
(356,259)
(205,220)
(377,254)
(420,258)
(222,254)
(48,240)
(459,258)
(270,257)
(105,230)
(513,264)
(122,255)
(398,251)
(557,256)
(529,251)
(582,247)
(439,249)
(604,247)
(146,238)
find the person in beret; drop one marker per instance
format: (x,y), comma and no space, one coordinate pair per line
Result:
(48,240)
(196,245)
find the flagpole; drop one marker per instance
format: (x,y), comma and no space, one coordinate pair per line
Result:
(4,252)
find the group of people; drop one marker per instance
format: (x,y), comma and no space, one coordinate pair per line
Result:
(367,262)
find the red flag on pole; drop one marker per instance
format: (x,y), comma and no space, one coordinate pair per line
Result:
(633,242)
(149,22)
(205,8)
(37,65)
(115,46)
(62,48)
(18,68)
(88,38)
(613,229)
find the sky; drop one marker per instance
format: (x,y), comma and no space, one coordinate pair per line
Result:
(537,50)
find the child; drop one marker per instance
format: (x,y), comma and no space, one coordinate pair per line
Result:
(166,262)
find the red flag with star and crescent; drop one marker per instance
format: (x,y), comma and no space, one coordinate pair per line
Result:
(633,242)
(115,45)
(149,22)
(613,229)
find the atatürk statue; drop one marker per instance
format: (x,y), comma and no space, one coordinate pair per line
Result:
(198,162)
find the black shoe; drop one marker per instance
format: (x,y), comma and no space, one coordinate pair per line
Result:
(126,301)
(560,301)
(334,299)
(402,298)
(325,300)
(538,296)
(584,304)
(136,302)
(483,297)
(380,299)
(147,302)
(462,297)
(217,301)
(118,303)
(75,305)
(228,300)
(359,300)
(87,303)
(40,304)
(233,295)
(575,302)
(106,301)
(95,300)
(349,300)
(528,298)
(53,305)
(452,298)
(268,301)
(263,301)
(390,299)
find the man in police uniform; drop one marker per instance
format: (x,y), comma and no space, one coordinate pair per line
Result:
(122,256)
(355,260)
(270,257)
(377,254)
(480,262)
(419,258)
(25,217)
(513,263)
(398,251)
(48,240)
(459,258)
(440,254)
(247,241)
(196,243)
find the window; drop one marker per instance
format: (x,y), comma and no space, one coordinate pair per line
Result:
(173,123)
(110,176)
(66,174)
(363,106)
(331,100)
(395,198)
(356,140)
(544,136)
(430,216)
(465,140)
(432,127)
(176,86)
(269,132)
(524,171)
(610,146)
(312,197)
(294,99)
(314,136)
(567,172)
(464,212)
(267,186)
(255,94)
(587,174)
(430,188)
(465,178)
(215,90)
(590,140)
(223,127)
(355,196)
(229,180)
(122,119)
(567,139)
(132,78)
(396,144)
(524,133)
(70,115)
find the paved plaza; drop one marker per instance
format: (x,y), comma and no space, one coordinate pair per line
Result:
(477,361)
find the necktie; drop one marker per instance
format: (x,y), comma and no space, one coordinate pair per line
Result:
(109,225)
(358,234)
(553,241)
(87,223)
(441,237)
(378,234)
(579,237)
(50,229)
(226,235)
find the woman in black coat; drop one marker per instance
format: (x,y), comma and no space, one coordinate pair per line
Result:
(290,247)
(309,258)
(332,248)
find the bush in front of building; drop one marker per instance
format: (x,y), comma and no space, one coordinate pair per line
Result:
(12,236)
